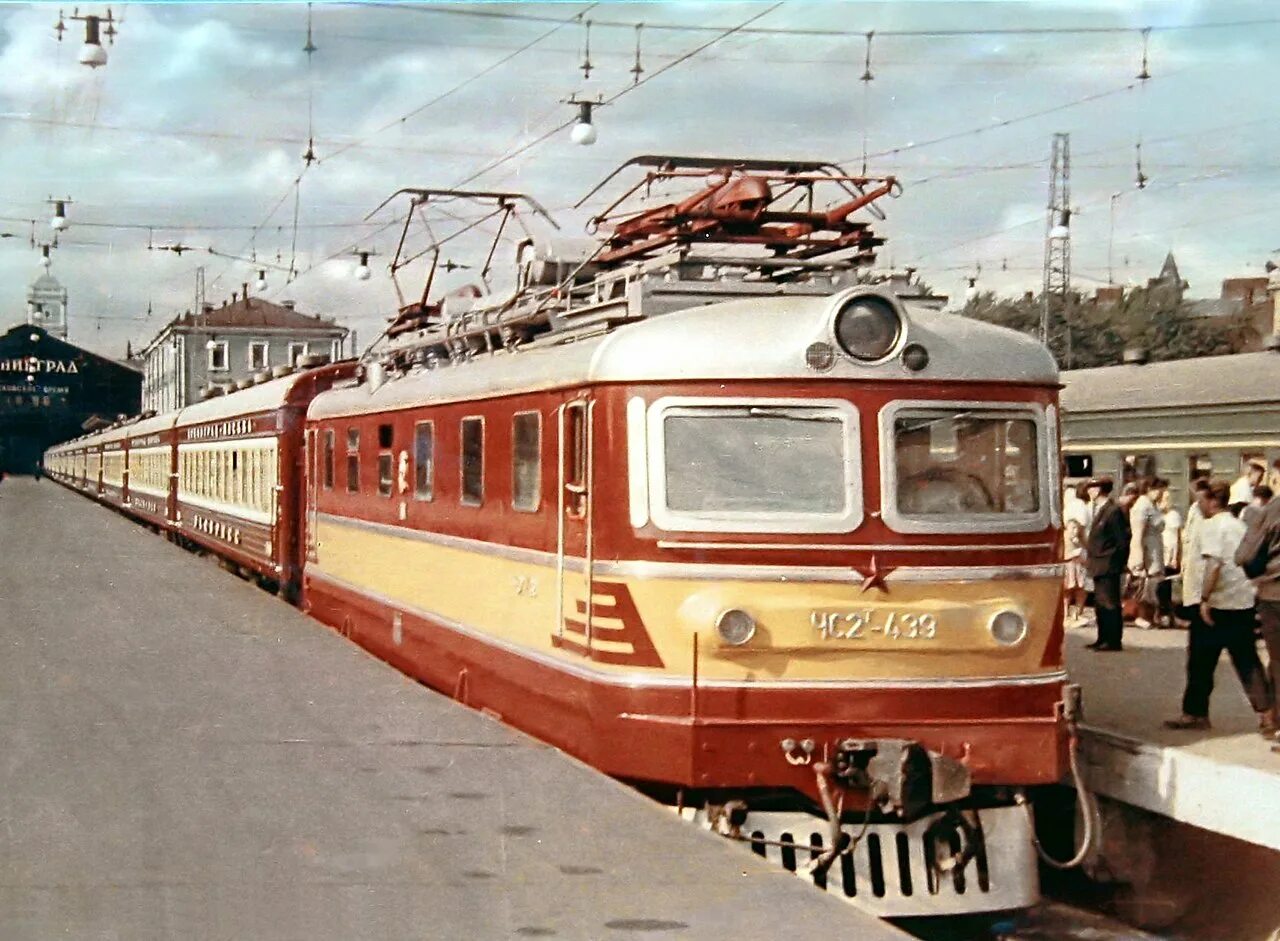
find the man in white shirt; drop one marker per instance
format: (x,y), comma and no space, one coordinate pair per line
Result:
(1225,620)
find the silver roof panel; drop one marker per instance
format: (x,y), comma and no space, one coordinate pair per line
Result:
(755,338)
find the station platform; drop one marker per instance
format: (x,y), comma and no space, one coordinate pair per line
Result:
(1225,780)
(185,756)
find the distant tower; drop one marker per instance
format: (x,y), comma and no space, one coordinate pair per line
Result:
(47,305)
(1057,238)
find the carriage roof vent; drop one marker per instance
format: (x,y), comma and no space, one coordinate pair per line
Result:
(1272,343)
(312,360)
(1135,356)
(279,372)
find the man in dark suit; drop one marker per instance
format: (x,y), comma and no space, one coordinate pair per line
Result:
(1108,555)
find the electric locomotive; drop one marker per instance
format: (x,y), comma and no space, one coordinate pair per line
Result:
(705,504)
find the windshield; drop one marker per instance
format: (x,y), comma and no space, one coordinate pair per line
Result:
(769,465)
(958,463)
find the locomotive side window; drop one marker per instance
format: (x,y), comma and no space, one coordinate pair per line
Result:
(960,467)
(773,465)
(1199,466)
(328,459)
(423,459)
(526,458)
(353,460)
(472,461)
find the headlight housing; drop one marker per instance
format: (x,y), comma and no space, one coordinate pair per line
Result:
(735,627)
(1008,628)
(868,327)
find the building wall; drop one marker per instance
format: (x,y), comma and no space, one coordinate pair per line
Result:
(178,365)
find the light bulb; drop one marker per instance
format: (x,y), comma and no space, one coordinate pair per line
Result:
(45,261)
(363,273)
(58,222)
(583,134)
(1059,233)
(93,55)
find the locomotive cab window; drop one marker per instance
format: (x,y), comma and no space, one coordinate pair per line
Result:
(755,465)
(959,467)
(472,461)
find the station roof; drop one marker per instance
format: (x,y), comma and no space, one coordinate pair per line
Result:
(1240,378)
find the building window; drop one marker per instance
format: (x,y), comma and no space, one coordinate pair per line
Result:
(526,456)
(353,460)
(217,355)
(384,474)
(472,461)
(258,354)
(386,436)
(328,459)
(335,349)
(296,352)
(423,459)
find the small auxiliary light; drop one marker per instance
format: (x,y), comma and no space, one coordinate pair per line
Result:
(362,270)
(59,220)
(915,357)
(820,356)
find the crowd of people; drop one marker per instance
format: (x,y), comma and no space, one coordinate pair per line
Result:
(1214,570)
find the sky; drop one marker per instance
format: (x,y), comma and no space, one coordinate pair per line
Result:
(194,131)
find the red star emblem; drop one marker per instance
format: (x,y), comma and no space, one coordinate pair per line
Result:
(876,576)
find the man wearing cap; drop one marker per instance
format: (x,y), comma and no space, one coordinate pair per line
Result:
(1108,555)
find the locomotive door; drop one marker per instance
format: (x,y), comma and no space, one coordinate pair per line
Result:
(309,514)
(573,529)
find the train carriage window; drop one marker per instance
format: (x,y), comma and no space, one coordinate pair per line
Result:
(423,459)
(384,475)
(1079,465)
(1199,467)
(353,460)
(472,461)
(328,459)
(1138,468)
(526,457)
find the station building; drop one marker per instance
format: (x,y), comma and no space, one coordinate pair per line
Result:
(220,346)
(52,390)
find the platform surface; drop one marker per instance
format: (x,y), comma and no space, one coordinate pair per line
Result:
(1225,779)
(184,756)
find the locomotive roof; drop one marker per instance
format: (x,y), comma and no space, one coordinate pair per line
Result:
(1241,378)
(757,338)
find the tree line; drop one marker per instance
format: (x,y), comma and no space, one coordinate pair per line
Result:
(1084,333)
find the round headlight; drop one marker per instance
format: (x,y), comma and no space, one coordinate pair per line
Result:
(868,327)
(735,627)
(1008,628)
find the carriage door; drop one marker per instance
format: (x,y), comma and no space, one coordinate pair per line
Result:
(314,470)
(573,537)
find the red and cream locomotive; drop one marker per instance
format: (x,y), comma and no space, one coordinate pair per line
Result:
(704,505)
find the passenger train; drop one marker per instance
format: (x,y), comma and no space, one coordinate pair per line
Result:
(700,503)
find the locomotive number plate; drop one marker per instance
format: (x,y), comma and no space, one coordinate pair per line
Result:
(875,622)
